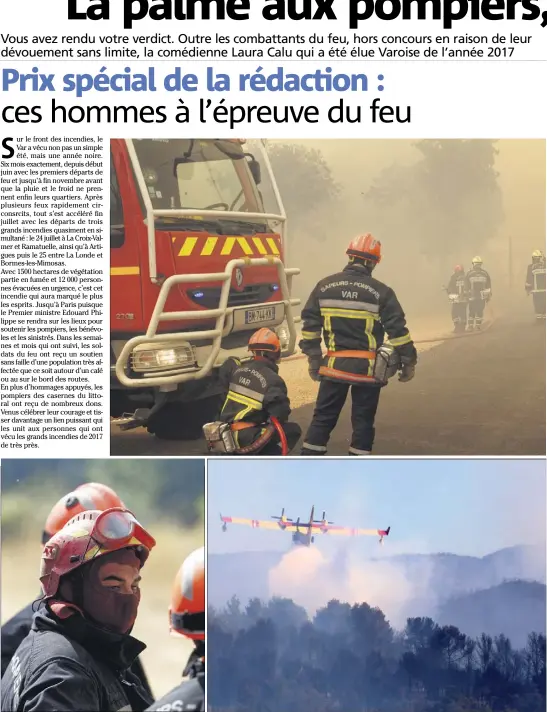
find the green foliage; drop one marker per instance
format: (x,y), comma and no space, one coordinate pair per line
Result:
(152,489)
(447,203)
(266,657)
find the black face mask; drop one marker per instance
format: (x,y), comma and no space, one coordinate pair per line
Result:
(109,609)
(115,611)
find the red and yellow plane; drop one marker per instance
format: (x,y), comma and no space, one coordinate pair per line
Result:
(303,533)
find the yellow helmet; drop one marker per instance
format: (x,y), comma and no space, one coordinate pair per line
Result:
(476,260)
(537,255)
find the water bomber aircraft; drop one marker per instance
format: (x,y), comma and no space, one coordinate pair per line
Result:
(303,532)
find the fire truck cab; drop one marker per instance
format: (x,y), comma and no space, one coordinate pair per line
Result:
(197,263)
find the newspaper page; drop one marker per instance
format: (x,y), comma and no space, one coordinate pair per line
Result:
(100,100)
(168,296)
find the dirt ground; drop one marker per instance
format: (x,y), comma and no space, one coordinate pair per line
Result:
(477,395)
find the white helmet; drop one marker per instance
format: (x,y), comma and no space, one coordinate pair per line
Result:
(537,255)
(476,261)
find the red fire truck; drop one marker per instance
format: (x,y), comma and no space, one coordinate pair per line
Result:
(197,263)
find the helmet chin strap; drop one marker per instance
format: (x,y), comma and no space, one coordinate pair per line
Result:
(266,356)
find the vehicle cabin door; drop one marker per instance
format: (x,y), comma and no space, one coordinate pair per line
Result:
(126,226)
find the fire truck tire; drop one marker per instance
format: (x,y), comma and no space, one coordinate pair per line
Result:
(184,421)
(118,404)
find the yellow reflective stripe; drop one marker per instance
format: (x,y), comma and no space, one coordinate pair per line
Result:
(369,325)
(256,247)
(244,400)
(90,553)
(123,271)
(349,313)
(311,334)
(401,340)
(228,246)
(209,246)
(241,415)
(273,245)
(260,246)
(187,246)
(242,242)
(331,344)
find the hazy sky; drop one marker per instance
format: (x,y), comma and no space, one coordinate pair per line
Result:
(461,506)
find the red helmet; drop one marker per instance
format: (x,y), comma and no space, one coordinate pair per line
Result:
(90,495)
(87,536)
(366,247)
(458,268)
(265,340)
(187,609)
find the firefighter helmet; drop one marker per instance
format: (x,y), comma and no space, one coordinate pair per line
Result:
(90,495)
(187,609)
(537,256)
(265,340)
(365,247)
(476,261)
(87,536)
(458,268)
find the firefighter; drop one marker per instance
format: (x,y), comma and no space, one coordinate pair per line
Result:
(535,283)
(91,495)
(458,298)
(79,649)
(256,392)
(187,618)
(352,311)
(479,290)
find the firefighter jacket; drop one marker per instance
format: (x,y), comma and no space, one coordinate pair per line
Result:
(256,391)
(71,664)
(16,629)
(189,696)
(353,312)
(535,277)
(457,285)
(477,280)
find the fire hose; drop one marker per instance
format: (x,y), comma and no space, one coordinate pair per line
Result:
(282,437)
(258,444)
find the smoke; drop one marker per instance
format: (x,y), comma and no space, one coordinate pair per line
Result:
(311,579)
(355,165)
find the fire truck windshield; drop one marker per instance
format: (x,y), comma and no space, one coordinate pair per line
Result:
(201,174)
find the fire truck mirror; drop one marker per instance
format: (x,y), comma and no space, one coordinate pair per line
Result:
(117,236)
(254,167)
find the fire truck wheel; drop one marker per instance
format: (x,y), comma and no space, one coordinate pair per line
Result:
(118,404)
(184,421)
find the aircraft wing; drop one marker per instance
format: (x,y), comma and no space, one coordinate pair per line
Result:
(254,523)
(349,531)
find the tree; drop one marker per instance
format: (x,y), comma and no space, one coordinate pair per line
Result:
(448,203)
(306,185)
(277,663)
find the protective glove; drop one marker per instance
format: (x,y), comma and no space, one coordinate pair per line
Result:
(314,364)
(407,373)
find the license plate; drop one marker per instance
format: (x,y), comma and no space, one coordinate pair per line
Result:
(255,316)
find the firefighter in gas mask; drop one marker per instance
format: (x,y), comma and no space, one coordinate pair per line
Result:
(535,284)
(479,288)
(458,298)
(79,649)
(187,619)
(256,394)
(352,312)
